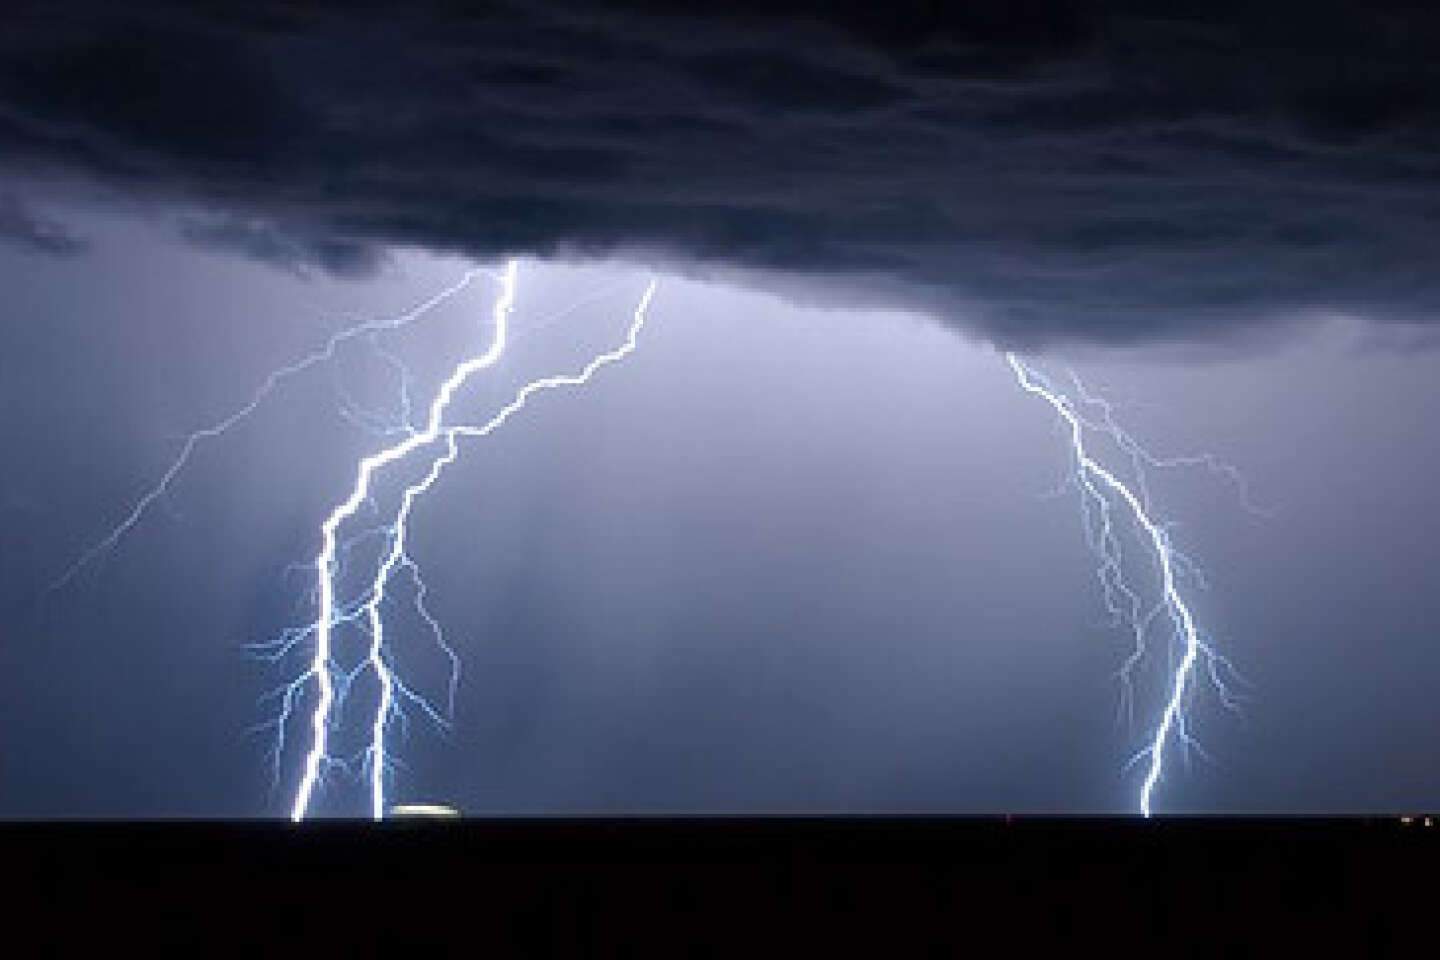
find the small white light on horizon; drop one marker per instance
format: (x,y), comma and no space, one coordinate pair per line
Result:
(423,810)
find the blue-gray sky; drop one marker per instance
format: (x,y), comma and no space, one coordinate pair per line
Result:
(782,558)
(802,551)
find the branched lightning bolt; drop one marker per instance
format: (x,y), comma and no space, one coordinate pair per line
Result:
(366,610)
(1141,458)
(1094,480)
(325,564)
(321,666)
(191,441)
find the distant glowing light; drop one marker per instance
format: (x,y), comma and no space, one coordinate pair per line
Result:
(436,810)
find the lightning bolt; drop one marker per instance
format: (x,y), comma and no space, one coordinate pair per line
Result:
(274,379)
(1095,480)
(326,564)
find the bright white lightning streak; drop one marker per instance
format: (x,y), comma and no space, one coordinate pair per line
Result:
(1172,720)
(192,440)
(325,563)
(396,554)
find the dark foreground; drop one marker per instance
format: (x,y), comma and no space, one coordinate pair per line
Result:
(726,887)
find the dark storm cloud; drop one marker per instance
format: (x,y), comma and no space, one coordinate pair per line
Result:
(267,243)
(22,226)
(1033,171)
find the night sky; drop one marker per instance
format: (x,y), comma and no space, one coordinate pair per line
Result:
(809,548)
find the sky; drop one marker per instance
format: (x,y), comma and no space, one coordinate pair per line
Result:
(808,549)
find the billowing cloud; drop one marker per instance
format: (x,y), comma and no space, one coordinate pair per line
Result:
(22,226)
(264,241)
(1032,171)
